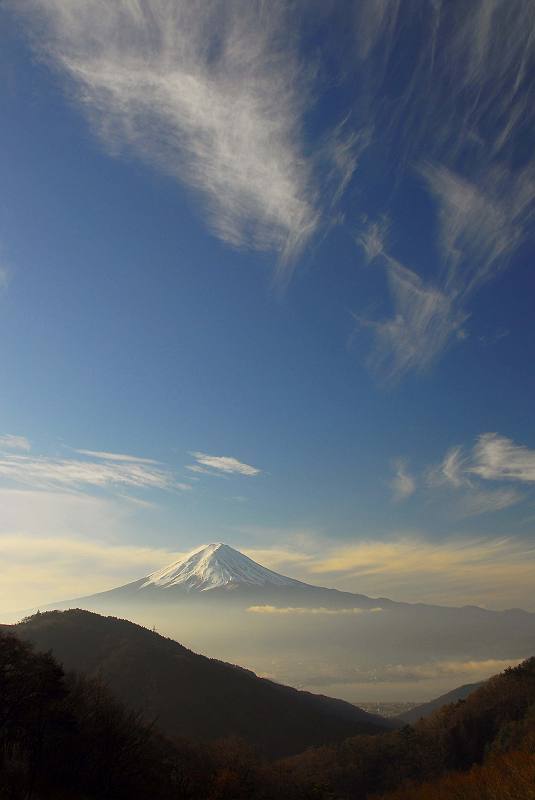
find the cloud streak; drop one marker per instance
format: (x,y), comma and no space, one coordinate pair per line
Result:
(303,611)
(166,82)
(42,472)
(424,320)
(493,458)
(481,570)
(11,442)
(460,120)
(226,465)
(480,225)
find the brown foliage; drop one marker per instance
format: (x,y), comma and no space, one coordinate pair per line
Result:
(510,776)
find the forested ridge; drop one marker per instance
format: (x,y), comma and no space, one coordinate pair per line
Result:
(64,736)
(190,695)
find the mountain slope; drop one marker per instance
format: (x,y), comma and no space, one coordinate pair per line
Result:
(423,710)
(190,695)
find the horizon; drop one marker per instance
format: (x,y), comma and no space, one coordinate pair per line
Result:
(220,544)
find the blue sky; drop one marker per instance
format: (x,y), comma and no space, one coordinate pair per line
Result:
(287,245)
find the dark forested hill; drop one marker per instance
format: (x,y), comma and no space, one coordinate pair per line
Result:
(493,722)
(190,695)
(65,736)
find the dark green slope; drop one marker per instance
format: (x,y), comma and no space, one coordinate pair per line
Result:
(189,695)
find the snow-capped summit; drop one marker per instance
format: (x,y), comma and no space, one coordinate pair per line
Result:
(215,566)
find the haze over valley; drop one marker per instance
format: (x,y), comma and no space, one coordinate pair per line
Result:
(219,602)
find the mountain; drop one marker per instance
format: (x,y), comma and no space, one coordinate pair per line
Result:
(425,709)
(221,603)
(216,566)
(189,695)
(217,570)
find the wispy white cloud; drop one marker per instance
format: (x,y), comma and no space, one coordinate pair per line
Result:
(11,442)
(104,456)
(452,470)
(403,484)
(302,610)
(479,501)
(45,472)
(493,458)
(424,320)
(372,237)
(221,464)
(375,23)
(498,458)
(462,116)
(481,225)
(341,151)
(167,82)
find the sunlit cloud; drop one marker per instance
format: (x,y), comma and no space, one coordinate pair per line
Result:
(37,570)
(221,464)
(303,611)
(11,442)
(60,544)
(453,671)
(483,570)
(492,571)
(439,669)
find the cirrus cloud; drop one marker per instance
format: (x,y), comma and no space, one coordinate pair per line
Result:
(221,464)
(98,470)
(165,81)
(11,442)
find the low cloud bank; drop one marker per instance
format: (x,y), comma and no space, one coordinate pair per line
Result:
(303,610)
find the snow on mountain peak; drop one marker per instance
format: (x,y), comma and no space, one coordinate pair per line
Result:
(214,566)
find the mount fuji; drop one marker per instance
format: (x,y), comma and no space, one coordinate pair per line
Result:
(222,603)
(216,566)
(218,572)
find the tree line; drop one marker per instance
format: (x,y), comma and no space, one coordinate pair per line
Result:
(64,736)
